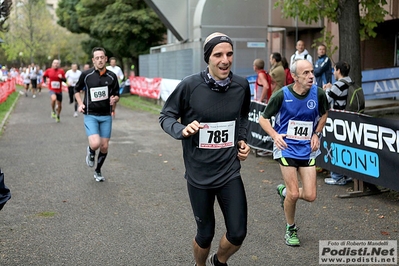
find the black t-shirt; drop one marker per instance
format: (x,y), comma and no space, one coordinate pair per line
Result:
(194,100)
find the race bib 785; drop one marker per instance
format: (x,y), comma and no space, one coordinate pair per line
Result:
(217,135)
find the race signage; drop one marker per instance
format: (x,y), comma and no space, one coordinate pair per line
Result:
(361,147)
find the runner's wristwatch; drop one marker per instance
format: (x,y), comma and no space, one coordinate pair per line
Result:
(318,134)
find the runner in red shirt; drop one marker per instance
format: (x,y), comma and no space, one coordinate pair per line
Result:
(55,77)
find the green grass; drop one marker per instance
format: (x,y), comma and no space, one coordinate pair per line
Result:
(6,106)
(135,102)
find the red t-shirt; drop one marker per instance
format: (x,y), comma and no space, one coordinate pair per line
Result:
(54,81)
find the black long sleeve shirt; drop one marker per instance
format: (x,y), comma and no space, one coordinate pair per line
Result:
(194,100)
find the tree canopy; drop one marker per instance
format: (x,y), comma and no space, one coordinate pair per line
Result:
(34,37)
(5,9)
(126,28)
(356,20)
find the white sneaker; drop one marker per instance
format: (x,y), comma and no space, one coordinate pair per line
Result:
(75,114)
(98,177)
(339,182)
(89,158)
(34,96)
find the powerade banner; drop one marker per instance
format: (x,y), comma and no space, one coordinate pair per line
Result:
(257,137)
(362,147)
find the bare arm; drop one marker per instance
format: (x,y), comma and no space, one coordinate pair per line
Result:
(263,82)
(278,138)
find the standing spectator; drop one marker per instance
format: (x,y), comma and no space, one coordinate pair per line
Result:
(277,71)
(322,67)
(263,86)
(118,72)
(101,93)
(4,73)
(56,76)
(301,53)
(13,72)
(72,76)
(33,78)
(288,77)
(208,111)
(301,113)
(336,95)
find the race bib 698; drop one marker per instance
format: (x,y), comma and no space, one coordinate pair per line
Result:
(99,93)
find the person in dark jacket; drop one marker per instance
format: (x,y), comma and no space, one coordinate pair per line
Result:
(322,67)
(5,193)
(213,108)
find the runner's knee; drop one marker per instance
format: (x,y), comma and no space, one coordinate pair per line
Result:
(204,240)
(236,238)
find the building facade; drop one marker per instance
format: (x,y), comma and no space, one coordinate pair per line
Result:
(257,29)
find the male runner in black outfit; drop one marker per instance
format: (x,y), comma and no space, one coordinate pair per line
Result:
(213,106)
(101,93)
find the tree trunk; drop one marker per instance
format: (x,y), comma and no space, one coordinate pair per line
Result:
(349,37)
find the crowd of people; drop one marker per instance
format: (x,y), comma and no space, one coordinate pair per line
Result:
(94,91)
(298,94)
(208,113)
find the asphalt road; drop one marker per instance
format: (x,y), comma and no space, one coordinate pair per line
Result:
(140,215)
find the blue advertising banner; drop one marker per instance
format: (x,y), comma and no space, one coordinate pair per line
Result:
(380,83)
(257,137)
(362,147)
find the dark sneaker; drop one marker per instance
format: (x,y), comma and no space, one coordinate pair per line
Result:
(280,189)
(89,158)
(212,260)
(291,236)
(98,177)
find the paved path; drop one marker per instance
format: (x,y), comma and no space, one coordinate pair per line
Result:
(140,215)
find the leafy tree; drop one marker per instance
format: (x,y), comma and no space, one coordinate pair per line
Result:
(34,37)
(125,28)
(5,9)
(356,20)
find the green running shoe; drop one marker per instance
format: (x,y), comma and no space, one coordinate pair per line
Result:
(280,189)
(291,236)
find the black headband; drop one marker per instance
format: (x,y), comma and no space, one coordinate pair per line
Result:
(208,48)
